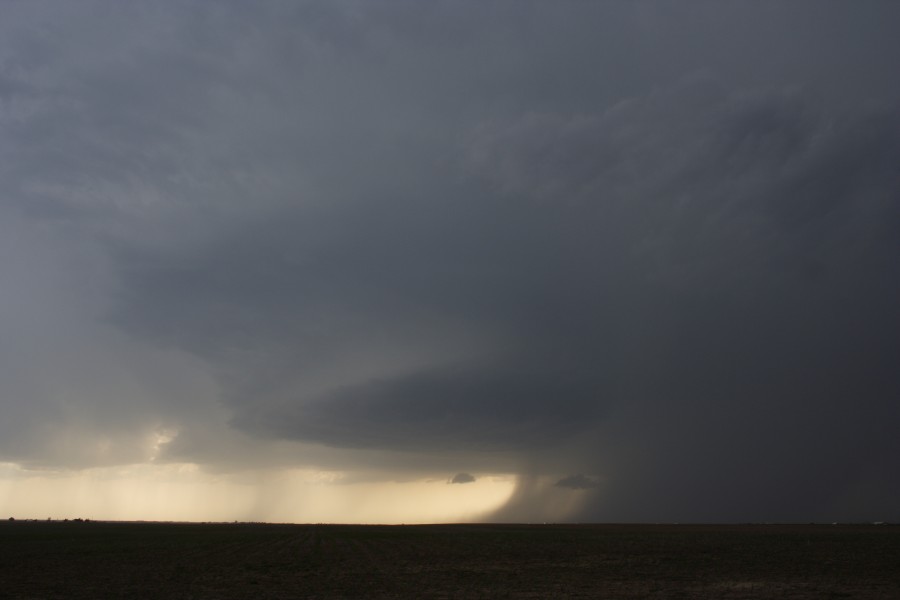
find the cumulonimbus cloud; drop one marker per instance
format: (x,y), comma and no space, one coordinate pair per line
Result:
(355,235)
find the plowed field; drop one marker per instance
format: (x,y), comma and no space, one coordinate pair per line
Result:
(157,560)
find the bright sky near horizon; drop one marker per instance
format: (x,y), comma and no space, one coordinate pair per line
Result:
(181,492)
(512,260)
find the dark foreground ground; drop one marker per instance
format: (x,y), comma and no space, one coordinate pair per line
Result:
(157,560)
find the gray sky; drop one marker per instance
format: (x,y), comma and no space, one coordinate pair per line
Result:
(642,256)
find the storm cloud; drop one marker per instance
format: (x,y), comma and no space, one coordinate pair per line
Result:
(578,482)
(655,244)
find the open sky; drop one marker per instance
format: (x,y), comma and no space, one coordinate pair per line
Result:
(399,261)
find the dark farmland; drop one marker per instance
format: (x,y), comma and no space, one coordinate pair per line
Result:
(161,560)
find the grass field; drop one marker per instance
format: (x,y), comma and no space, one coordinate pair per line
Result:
(159,560)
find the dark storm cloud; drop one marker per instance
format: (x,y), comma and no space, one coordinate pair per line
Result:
(657,244)
(578,482)
(489,407)
(462,478)
(760,231)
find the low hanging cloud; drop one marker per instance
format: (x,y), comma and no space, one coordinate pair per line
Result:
(462,478)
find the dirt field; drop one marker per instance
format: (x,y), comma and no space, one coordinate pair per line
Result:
(155,560)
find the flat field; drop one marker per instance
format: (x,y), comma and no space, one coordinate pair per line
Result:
(161,560)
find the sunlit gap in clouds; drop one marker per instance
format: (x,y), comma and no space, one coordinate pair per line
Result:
(185,492)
